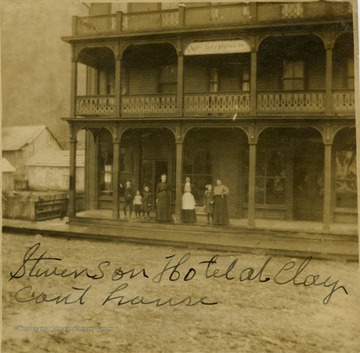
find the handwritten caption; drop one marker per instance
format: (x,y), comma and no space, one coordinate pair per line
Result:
(37,264)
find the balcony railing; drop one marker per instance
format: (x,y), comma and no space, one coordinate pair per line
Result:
(291,102)
(148,104)
(217,103)
(343,101)
(272,103)
(210,16)
(95,105)
(96,24)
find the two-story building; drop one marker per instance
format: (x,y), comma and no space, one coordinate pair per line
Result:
(260,94)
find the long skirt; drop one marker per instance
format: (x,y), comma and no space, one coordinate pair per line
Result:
(188,208)
(163,210)
(221,217)
(188,216)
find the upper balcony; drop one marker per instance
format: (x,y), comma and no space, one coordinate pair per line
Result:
(215,16)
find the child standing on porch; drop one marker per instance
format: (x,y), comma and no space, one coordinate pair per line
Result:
(147,202)
(209,203)
(137,204)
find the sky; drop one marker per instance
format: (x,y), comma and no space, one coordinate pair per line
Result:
(36,63)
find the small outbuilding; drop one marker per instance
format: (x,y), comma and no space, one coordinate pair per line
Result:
(7,170)
(19,143)
(49,170)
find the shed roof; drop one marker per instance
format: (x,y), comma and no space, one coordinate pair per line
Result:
(59,158)
(6,166)
(16,137)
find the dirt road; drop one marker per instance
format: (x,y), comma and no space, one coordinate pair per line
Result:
(90,296)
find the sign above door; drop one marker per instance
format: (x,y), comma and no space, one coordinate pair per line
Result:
(217,47)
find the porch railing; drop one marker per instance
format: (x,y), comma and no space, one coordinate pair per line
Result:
(291,102)
(210,16)
(96,24)
(295,102)
(148,104)
(146,21)
(217,103)
(93,105)
(343,101)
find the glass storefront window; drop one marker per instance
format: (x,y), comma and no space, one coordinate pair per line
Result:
(346,190)
(270,183)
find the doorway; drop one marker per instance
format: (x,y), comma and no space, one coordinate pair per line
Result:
(151,174)
(308,181)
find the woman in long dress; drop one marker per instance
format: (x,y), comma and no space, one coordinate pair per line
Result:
(163,209)
(221,217)
(188,203)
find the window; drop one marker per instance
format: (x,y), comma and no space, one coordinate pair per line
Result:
(270,181)
(105,163)
(346,191)
(293,75)
(350,74)
(168,79)
(230,78)
(197,166)
(214,80)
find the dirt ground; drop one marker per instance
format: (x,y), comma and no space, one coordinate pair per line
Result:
(255,310)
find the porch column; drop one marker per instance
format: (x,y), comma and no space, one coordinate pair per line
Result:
(179,171)
(72,176)
(251,197)
(73,89)
(328,84)
(327,218)
(180,81)
(115,178)
(118,87)
(253,72)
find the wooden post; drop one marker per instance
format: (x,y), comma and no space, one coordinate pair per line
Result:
(119,21)
(115,178)
(118,87)
(181,15)
(328,84)
(252,175)
(179,167)
(327,187)
(72,177)
(253,83)
(180,81)
(73,90)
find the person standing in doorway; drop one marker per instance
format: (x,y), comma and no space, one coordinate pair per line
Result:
(188,203)
(129,194)
(221,192)
(163,205)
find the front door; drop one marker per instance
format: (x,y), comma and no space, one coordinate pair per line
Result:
(151,173)
(309,183)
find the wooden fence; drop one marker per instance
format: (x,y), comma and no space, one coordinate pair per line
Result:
(38,207)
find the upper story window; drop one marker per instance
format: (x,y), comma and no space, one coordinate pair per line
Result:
(350,73)
(168,79)
(293,75)
(231,78)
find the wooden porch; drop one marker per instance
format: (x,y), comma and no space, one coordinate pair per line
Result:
(267,103)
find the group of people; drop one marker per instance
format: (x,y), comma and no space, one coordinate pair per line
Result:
(134,201)
(142,203)
(215,204)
